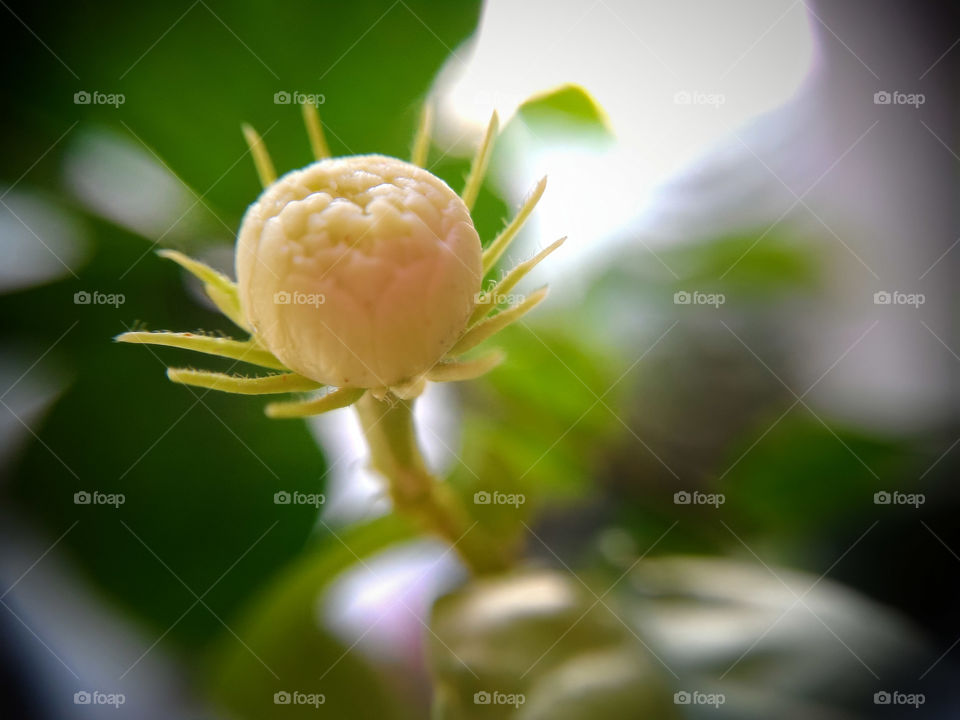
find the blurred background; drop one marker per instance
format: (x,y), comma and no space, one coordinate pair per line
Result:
(731,430)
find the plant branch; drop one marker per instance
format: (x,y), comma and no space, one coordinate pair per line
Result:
(415,492)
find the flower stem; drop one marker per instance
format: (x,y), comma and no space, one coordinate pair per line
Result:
(415,492)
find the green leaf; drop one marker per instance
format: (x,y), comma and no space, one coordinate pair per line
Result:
(745,266)
(198,469)
(535,425)
(803,476)
(568,108)
(281,636)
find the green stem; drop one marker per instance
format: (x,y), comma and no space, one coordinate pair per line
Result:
(432,505)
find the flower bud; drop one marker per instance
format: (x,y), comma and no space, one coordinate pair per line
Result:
(359,271)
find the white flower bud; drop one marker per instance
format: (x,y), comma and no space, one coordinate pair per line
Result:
(359,271)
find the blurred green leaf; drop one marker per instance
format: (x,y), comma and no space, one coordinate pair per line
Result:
(749,270)
(535,425)
(198,470)
(803,476)
(285,649)
(758,264)
(567,108)
(192,73)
